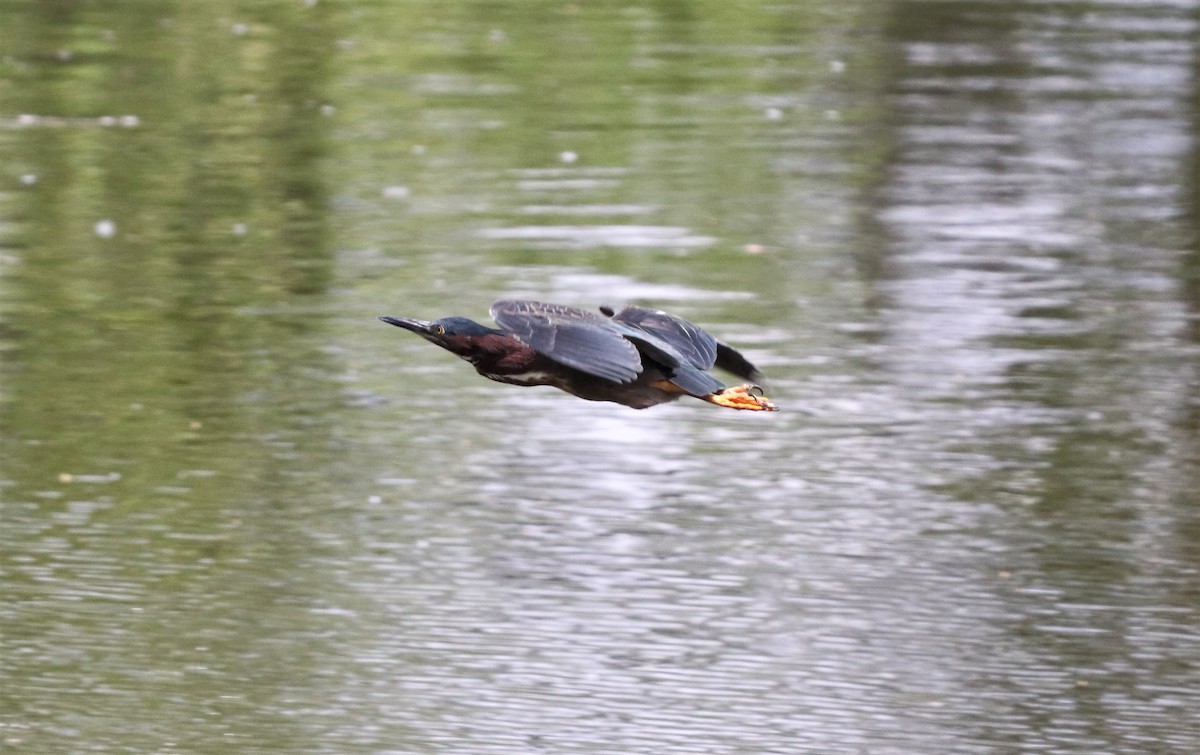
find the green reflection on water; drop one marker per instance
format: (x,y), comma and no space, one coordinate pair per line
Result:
(167,251)
(158,229)
(186,186)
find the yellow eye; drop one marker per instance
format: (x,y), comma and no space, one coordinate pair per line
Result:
(439,330)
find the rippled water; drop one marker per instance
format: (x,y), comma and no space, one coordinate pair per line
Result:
(237,514)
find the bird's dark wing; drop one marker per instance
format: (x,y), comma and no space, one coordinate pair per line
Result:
(574,337)
(667,332)
(693,344)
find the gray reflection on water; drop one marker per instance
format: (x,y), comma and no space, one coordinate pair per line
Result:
(601,236)
(1031,303)
(612,596)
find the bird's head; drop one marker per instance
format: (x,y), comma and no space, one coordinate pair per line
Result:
(455,334)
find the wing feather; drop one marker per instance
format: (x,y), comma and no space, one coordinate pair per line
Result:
(574,337)
(667,332)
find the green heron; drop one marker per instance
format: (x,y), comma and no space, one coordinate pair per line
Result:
(632,356)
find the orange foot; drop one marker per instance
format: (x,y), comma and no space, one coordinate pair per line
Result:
(742,397)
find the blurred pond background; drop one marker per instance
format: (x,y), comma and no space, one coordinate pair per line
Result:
(238,514)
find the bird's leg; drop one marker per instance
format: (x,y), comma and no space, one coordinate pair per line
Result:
(742,397)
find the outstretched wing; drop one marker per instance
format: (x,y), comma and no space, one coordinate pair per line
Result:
(574,337)
(667,332)
(682,339)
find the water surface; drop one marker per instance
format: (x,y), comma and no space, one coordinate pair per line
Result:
(239,514)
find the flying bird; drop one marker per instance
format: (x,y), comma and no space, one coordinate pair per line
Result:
(629,355)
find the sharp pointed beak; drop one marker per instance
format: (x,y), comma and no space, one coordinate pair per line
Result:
(420,327)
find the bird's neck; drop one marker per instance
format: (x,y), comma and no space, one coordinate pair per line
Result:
(497,354)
